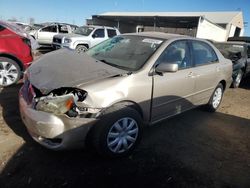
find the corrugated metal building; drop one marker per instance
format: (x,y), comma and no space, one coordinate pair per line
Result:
(216,26)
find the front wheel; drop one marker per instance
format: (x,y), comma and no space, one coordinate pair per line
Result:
(81,48)
(9,72)
(237,80)
(215,99)
(118,132)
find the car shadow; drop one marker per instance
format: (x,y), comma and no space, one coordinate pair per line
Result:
(245,83)
(10,110)
(193,149)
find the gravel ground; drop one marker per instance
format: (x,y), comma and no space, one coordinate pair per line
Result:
(194,149)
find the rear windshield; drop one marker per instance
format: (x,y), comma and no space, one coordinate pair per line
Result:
(228,50)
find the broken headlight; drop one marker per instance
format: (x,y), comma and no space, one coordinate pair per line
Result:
(61,101)
(56,104)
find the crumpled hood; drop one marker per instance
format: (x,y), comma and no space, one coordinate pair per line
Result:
(66,68)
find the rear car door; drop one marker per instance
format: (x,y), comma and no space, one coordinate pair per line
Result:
(206,71)
(45,35)
(111,33)
(172,92)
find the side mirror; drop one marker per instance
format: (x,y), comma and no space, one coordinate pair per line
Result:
(166,67)
(94,36)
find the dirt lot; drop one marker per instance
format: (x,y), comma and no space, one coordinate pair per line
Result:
(195,149)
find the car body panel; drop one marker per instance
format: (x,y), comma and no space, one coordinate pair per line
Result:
(77,39)
(56,69)
(13,45)
(242,63)
(157,95)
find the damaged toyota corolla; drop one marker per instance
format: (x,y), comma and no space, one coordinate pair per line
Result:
(105,95)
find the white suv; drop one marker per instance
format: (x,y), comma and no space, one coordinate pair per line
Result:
(44,35)
(84,37)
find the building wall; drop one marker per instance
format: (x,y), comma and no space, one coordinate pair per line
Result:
(207,30)
(231,31)
(174,30)
(123,27)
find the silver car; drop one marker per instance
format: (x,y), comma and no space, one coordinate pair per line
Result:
(106,95)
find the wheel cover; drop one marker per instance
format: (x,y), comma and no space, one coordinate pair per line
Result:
(217,97)
(8,73)
(122,135)
(81,49)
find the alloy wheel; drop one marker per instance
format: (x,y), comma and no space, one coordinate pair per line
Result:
(8,73)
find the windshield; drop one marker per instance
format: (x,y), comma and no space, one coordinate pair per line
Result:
(125,52)
(228,50)
(85,31)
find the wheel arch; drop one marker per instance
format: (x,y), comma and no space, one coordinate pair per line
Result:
(128,103)
(10,56)
(86,44)
(224,84)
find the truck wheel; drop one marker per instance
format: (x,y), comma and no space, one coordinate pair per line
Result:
(10,72)
(215,99)
(118,132)
(81,48)
(237,80)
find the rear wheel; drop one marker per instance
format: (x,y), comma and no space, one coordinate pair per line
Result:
(10,72)
(237,80)
(81,48)
(215,99)
(118,132)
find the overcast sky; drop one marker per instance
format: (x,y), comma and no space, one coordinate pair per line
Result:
(76,11)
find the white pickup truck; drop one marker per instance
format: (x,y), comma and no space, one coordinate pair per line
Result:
(84,37)
(44,35)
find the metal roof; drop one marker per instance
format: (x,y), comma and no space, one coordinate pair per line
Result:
(216,17)
(159,35)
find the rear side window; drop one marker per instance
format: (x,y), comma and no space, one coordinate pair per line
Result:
(203,53)
(51,28)
(111,33)
(63,29)
(99,33)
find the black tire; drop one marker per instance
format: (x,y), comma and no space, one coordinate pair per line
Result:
(108,120)
(237,80)
(10,72)
(80,48)
(212,106)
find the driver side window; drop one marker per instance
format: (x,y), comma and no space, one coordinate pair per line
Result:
(177,53)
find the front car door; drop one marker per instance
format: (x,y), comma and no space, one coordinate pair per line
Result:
(173,91)
(98,36)
(207,69)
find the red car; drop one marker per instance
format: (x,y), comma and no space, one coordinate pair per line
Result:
(15,53)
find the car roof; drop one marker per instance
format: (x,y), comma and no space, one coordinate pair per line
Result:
(160,35)
(231,42)
(99,26)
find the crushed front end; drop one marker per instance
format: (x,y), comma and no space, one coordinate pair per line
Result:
(57,120)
